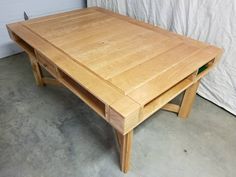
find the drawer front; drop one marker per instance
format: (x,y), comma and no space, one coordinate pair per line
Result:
(48,65)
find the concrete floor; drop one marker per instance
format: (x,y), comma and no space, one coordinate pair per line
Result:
(49,132)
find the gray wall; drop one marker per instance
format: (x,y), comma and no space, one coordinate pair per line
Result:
(12,11)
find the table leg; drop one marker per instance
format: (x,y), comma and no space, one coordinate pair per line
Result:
(36,71)
(188,99)
(125,144)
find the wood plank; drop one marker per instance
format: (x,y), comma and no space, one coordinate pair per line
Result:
(61,15)
(132,79)
(94,41)
(175,74)
(171,107)
(67,21)
(166,97)
(51,81)
(84,38)
(83,31)
(79,32)
(46,63)
(52,31)
(129,56)
(153,28)
(91,58)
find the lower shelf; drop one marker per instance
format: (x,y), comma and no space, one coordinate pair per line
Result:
(167,96)
(82,93)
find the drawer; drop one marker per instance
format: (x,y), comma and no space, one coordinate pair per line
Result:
(46,63)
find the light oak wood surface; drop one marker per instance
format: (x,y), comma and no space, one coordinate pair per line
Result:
(124,69)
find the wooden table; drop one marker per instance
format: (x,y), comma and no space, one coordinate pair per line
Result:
(125,70)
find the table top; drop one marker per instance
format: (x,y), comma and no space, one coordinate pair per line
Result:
(123,62)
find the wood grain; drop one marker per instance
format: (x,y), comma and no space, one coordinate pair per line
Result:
(124,69)
(188,99)
(124,63)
